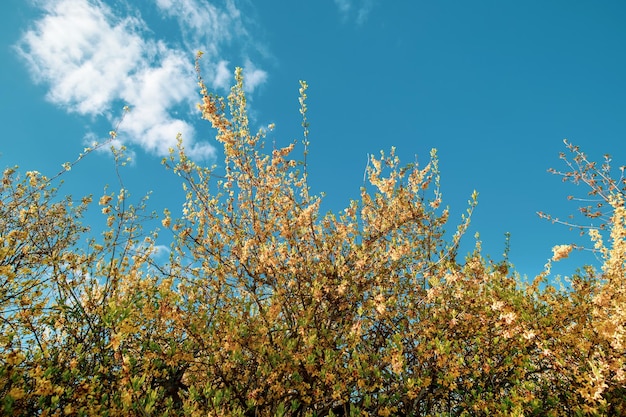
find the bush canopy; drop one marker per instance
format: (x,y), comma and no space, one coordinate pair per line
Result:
(267,307)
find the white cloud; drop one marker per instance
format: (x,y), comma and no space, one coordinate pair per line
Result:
(343,5)
(156,90)
(204,25)
(363,9)
(82,53)
(253,77)
(160,251)
(207,27)
(93,61)
(223,75)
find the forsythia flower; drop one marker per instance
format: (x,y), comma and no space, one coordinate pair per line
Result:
(32,175)
(104,200)
(497,305)
(381,308)
(529,335)
(508,317)
(561,252)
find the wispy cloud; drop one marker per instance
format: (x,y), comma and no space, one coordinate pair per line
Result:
(343,5)
(253,76)
(93,61)
(222,75)
(202,24)
(208,28)
(361,8)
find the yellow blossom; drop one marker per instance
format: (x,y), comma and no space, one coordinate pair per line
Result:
(561,252)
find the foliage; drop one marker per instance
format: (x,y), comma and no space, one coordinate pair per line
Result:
(268,307)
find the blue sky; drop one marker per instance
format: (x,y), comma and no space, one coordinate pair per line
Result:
(494,86)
